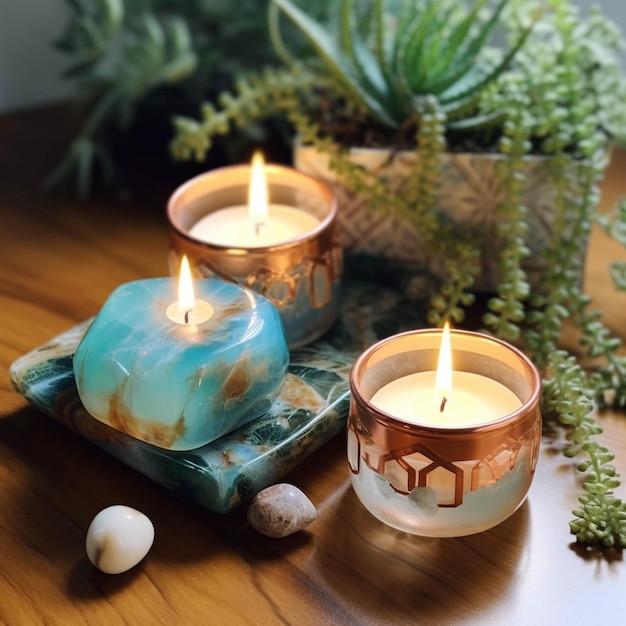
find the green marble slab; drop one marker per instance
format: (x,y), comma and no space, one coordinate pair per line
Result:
(311,408)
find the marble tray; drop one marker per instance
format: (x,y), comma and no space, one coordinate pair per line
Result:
(311,408)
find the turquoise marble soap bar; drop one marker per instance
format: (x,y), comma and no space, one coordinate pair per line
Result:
(180,385)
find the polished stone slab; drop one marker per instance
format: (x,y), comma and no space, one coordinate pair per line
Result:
(310,409)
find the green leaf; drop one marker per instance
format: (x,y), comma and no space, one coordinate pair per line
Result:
(411,48)
(385,52)
(366,65)
(319,38)
(458,36)
(478,43)
(384,42)
(278,43)
(476,77)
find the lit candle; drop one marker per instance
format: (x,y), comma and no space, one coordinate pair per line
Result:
(446,398)
(179,373)
(257,224)
(270,228)
(187,310)
(438,451)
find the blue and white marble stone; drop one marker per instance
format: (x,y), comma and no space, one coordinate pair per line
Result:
(180,385)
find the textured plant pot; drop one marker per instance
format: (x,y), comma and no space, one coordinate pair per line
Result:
(470,192)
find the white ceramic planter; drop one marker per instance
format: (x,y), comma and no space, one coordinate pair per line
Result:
(470,193)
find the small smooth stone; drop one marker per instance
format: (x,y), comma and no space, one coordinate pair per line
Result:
(118,538)
(280,510)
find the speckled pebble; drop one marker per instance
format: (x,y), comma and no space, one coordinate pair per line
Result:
(118,538)
(280,510)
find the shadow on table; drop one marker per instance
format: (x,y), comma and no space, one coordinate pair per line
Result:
(60,482)
(390,576)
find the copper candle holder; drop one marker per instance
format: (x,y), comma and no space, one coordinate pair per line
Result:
(300,276)
(442,481)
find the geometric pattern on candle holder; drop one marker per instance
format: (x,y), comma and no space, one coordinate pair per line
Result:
(316,274)
(416,466)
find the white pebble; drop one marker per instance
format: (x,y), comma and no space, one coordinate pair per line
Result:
(280,510)
(118,538)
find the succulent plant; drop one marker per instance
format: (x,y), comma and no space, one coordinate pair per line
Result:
(385,63)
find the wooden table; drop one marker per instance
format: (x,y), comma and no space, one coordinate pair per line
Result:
(59,260)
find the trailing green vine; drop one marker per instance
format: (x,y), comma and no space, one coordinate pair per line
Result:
(610,380)
(507,309)
(601,517)
(257,96)
(454,296)
(576,153)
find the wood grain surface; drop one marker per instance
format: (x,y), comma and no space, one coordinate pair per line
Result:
(59,260)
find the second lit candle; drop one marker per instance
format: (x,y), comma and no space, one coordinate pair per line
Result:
(446,398)
(256,224)
(270,228)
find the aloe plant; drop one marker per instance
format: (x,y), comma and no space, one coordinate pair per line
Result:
(386,64)
(389,61)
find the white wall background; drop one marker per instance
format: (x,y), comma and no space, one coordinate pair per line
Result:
(30,68)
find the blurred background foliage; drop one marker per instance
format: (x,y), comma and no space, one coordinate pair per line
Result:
(135,63)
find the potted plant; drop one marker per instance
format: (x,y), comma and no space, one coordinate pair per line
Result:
(423,80)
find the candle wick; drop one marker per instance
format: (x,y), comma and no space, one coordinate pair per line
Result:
(187,316)
(443,404)
(257,228)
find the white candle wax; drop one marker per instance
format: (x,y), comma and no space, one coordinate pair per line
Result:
(187,310)
(233,227)
(201,312)
(475,399)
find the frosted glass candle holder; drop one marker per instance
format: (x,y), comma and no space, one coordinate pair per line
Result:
(301,275)
(442,481)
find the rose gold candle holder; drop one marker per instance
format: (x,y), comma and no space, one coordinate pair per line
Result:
(301,276)
(442,482)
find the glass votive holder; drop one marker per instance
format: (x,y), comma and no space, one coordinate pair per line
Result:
(443,481)
(300,275)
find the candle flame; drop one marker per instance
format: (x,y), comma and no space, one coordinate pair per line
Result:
(443,379)
(257,192)
(186,298)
